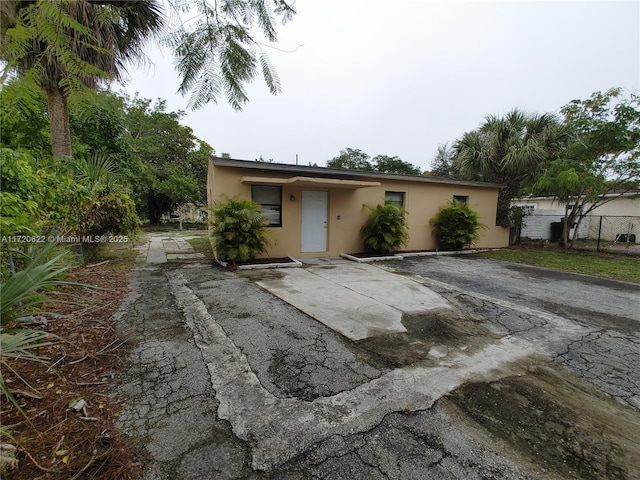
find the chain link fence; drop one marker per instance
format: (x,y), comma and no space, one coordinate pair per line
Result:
(600,232)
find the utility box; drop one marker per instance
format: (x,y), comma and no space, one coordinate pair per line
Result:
(556,231)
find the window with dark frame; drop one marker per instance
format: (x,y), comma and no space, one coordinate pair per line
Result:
(394,198)
(270,199)
(461,199)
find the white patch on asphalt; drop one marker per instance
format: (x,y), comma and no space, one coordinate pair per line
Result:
(356,300)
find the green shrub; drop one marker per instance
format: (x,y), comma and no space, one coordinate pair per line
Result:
(385,229)
(457,226)
(239,230)
(52,190)
(108,212)
(23,294)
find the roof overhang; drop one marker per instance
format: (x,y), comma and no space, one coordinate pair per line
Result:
(311,182)
(322,173)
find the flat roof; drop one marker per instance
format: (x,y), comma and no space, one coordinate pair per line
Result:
(341,173)
(311,182)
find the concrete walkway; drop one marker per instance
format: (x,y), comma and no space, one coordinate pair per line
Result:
(167,246)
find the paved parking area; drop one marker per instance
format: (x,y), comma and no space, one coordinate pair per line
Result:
(230,381)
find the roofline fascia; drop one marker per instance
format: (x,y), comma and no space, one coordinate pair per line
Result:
(341,172)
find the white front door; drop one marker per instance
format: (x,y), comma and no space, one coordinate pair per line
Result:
(314,221)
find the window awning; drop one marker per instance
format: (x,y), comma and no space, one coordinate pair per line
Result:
(311,182)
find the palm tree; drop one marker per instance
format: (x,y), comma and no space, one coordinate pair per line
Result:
(62,45)
(509,151)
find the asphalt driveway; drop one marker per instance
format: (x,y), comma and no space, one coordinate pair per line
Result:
(606,313)
(230,381)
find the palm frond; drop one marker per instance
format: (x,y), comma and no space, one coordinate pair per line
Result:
(270,75)
(239,229)
(21,293)
(76,43)
(217,56)
(385,230)
(99,171)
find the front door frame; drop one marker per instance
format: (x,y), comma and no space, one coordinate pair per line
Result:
(314,232)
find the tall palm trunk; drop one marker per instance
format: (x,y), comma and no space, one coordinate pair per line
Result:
(58,109)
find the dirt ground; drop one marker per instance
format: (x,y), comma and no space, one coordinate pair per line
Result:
(58,442)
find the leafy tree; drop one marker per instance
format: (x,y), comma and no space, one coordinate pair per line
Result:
(442,164)
(510,151)
(457,226)
(66,45)
(97,125)
(385,229)
(386,164)
(24,124)
(162,160)
(172,162)
(352,159)
(602,157)
(63,46)
(239,229)
(355,159)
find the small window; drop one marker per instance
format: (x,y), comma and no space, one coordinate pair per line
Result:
(461,199)
(270,198)
(395,198)
(527,208)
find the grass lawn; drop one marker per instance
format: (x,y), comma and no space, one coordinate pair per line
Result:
(121,256)
(599,265)
(202,245)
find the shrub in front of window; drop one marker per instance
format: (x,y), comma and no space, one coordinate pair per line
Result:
(239,230)
(385,230)
(456,226)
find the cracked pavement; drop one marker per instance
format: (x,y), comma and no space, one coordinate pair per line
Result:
(228,381)
(595,322)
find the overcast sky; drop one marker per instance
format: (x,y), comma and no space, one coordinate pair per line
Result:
(399,77)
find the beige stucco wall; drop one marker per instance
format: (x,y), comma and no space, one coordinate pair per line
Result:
(346,213)
(622,206)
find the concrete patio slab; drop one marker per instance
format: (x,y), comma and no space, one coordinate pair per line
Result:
(391,289)
(356,300)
